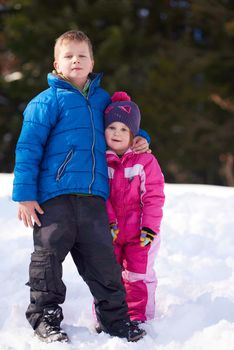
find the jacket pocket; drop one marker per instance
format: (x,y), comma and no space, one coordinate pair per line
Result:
(63,166)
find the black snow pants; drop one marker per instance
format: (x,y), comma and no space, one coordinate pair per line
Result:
(79,225)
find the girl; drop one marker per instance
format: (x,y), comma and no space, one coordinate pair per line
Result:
(134,206)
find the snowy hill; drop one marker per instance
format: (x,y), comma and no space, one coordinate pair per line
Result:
(195,268)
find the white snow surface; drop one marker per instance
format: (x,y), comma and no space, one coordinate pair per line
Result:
(195,269)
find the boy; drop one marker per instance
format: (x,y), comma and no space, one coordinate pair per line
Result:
(61,184)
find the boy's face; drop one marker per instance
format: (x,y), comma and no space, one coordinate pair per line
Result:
(118,137)
(74,62)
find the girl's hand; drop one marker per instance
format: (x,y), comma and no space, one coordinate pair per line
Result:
(114,230)
(147,236)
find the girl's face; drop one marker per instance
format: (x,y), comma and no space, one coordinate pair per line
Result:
(118,137)
(74,62)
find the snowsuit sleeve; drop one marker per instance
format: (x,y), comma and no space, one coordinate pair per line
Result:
(39,118)
(111,213)
(152,195)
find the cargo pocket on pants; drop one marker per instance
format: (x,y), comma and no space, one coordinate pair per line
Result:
(41,272)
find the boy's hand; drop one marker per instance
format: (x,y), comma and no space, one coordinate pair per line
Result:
(27,213)
(140,145)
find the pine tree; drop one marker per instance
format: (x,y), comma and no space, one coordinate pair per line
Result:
(172,57)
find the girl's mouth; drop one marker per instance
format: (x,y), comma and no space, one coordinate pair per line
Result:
(116,140)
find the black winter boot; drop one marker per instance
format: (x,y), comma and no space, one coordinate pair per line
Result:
(123,329)
(48,329)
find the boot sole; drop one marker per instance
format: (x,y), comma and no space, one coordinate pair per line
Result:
(137,337)
(51,340)
(99,330)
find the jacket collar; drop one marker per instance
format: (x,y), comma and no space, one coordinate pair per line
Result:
(56,81)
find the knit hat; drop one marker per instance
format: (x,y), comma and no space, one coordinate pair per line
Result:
(123,110)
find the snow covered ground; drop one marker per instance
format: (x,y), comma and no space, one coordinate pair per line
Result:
(195,268)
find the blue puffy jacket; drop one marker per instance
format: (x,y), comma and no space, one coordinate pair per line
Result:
(61,148)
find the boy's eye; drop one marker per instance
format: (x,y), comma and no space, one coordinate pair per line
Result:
(68,56)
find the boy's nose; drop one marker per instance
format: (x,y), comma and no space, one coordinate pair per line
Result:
(75,59)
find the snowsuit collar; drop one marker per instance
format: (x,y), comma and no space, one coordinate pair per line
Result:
(114,157)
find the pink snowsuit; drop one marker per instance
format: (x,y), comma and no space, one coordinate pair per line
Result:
(136,201)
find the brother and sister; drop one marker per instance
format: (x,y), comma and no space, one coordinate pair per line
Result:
(62,186)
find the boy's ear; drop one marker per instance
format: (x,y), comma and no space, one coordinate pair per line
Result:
(56,66)
(92,66)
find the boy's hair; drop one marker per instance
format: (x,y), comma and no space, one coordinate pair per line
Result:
(70,36)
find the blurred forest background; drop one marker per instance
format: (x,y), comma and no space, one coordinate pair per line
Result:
(175,58)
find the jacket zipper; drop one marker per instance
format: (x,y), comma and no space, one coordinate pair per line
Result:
(94,141)
(94,137)
(64,164)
